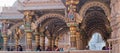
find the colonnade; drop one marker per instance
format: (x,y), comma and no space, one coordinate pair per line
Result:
(75,36)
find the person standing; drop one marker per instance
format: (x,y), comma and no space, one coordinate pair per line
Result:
(38,48)
(56,48)
(48,48)
(19,48)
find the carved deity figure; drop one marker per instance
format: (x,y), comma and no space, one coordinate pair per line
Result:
(71,15)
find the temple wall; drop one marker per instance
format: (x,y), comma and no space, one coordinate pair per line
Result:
(115,24)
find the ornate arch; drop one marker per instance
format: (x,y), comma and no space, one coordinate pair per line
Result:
(16,25)
(87,5)
(100,30)
(51,15)
(101,16)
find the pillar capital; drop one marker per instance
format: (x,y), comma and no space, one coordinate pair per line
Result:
(72,24)
(5,36)
(28,31)
(28,12)
(42,34)
(28,15)
(36,32)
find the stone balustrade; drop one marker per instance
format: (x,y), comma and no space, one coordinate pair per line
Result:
(89,51)
(75,51)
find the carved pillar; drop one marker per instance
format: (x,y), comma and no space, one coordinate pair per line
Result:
(17,37)
(50,42)
(56,41)
(78,41)
(16,42)
(5,39)
(53,42)
(72,26)
(28,21)
(42,40)
(29,40)
(4,35)
(37,38)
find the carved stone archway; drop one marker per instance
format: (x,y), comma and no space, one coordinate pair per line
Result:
(87,5)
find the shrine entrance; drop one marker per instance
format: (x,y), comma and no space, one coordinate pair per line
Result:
(95,29)
(96,42)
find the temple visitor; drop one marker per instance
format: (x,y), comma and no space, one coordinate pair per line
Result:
(12,48)
(61,49)
(48,48)
(0,49)
(8,48)
(56,48)
(19,48)
(87,47)
(106,48)
(38,48)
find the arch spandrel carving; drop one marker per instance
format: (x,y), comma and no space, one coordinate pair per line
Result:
(50,15)
(87,5)
(16,25)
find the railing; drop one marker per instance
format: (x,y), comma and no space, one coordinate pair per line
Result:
(89,51)
(75,51)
